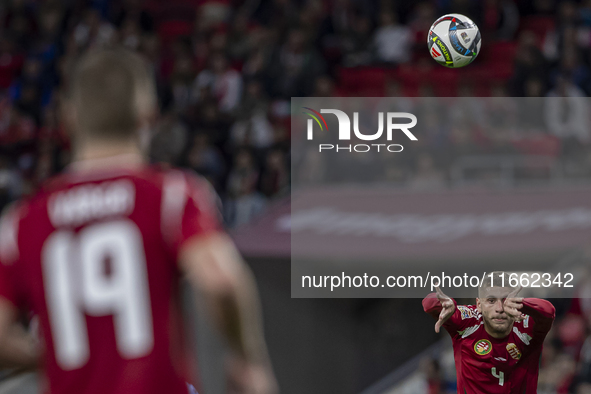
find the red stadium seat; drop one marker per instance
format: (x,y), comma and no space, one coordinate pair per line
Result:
(172,29)
(540,145)
(153,7)
(538,24)
(444,81)
(363,81)
(500,52)
(482,76)
(177,12)
(408,78)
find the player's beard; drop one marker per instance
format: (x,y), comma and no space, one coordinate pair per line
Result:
(498,326)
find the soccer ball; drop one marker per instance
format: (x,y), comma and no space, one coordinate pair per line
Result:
(454,40)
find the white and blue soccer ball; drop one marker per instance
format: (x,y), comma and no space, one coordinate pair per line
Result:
(454,40)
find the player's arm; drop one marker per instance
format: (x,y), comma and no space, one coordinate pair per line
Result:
(214,267)
(542,311)
(17,347)
(440,306)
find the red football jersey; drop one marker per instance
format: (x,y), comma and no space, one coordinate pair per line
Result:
(496,366)
(94,256)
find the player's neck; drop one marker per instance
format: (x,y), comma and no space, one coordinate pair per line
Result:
(96,153)
(497,334)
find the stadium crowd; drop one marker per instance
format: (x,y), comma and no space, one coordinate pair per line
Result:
(227,69)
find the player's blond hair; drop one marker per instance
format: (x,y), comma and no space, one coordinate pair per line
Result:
(494,279)
(110,90)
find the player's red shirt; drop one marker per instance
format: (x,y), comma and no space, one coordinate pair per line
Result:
(486,365)
(94,256)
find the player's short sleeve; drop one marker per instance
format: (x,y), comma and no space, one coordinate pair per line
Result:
(189,208)
(465,317)
(7,284)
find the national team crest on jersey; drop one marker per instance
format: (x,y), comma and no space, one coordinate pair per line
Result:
(467,313)
(513,351)
(483,347)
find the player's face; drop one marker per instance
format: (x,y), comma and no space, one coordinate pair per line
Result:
(490,305)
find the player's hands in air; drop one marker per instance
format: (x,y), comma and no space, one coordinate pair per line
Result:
(249,378)
(447,308)
(513,304)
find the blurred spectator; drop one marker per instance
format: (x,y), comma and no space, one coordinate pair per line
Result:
(534,87)
(10,62)
(356,41)
(212,13)
(130,34)
(254,131)
(423,16)
(10,181)
(29,102)
(570,67)
(433,377)
(206,159)
(239,40)
(312,168)
(529,62)
(207,118)
(427,176)
(254,100)
(501,19)
(224,82)
(25,90)
(529,110)
(323,87)
(279,13)
(564,34)
(15,126)
(169,140)
(263,44)
(295,66)
(567,112)
(181,81)
(130,12)
(392,40)
(20,22)
(557,376)
(244,202)
(93,31)
(275,175)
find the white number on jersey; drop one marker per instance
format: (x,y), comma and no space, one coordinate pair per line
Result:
(76,283)
(500,376)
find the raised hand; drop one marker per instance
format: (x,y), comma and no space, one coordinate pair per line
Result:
(447,308)
(513,304)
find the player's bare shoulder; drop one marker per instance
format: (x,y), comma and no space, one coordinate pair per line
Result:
(178,185)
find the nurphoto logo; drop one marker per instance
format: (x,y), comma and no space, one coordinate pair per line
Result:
(344,132)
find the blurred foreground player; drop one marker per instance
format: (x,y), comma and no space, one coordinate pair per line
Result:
(497,343)
(98,252)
